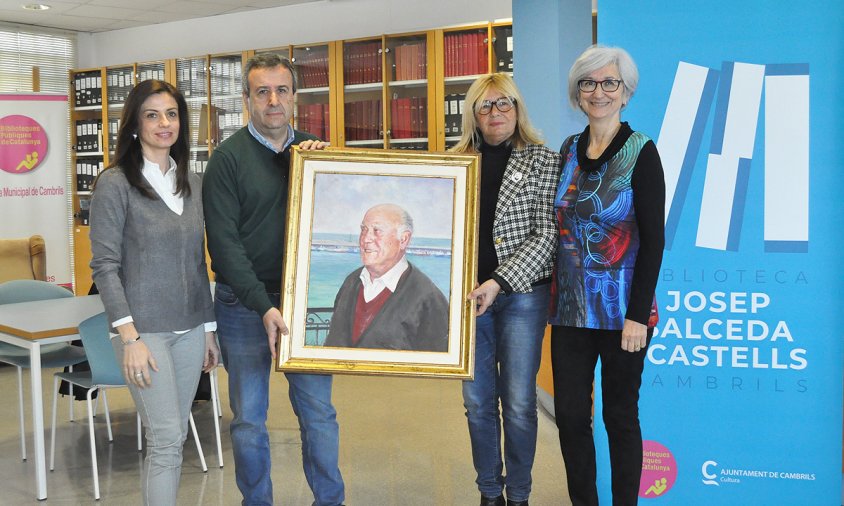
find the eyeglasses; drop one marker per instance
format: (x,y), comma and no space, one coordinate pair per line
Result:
(503,104)
(589,85)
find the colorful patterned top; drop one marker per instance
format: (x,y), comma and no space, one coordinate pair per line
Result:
(610,218)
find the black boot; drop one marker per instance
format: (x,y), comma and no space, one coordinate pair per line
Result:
(493,501)
(517,503)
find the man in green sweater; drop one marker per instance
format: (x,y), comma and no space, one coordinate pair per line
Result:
(245,198)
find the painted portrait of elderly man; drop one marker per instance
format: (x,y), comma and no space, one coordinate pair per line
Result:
(388,302)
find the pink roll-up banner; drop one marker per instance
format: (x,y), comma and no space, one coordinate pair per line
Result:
(35,194)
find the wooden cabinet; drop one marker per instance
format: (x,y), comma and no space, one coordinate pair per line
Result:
(96,108)
(314,74)
(362,93)
(467,55)
(225,106)
(410,87)
(213,90)
(398,91)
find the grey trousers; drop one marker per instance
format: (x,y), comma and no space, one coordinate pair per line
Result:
(165,408)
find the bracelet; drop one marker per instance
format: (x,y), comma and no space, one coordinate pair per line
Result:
(133,341)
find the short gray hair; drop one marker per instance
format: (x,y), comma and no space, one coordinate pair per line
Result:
(266,61)
(597,57)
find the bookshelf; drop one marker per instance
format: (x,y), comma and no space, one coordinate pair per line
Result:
(362,93)
(315,73)
(396,91)
(98,97)
(409,90)
(502,47)
(226,97)
(192,82)
(466,56)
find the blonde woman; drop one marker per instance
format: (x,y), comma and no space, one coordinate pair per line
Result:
(517,237)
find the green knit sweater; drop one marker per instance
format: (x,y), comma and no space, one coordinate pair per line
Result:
(244,192)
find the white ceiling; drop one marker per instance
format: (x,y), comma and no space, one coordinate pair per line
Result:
(104,15)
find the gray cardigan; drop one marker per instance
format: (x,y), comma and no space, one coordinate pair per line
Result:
(149,262)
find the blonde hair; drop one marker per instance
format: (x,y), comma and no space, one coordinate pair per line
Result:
(525,133)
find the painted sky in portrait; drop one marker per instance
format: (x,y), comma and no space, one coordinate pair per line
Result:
(341,200)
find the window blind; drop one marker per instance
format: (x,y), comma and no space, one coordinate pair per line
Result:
(22,49)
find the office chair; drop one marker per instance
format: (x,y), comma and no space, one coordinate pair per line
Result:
(105,373)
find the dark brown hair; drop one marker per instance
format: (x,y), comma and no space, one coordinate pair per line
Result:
(129,156)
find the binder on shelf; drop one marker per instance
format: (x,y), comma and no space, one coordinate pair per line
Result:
(454,114)
(483,51)
(414,117)
(503,48)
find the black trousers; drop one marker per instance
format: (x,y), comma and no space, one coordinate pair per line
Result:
(574,355)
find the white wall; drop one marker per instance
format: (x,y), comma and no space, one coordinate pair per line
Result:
(280,26)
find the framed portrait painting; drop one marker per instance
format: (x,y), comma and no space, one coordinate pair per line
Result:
(380,256)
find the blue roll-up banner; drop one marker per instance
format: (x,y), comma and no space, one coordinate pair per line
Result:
(741,400)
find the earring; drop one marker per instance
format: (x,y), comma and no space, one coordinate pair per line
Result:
(134,136)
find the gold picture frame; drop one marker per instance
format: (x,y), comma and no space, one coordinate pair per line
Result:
(332,193)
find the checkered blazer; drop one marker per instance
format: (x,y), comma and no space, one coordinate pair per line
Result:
(525,228)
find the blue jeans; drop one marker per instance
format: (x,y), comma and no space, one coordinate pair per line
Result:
(246,356)
(508,346)
(164,407)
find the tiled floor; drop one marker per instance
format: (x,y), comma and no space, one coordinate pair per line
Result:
(403,441)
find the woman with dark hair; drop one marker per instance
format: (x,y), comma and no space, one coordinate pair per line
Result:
(515,257)
(610,207)
(148,245)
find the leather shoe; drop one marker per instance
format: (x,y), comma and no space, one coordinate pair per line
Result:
(493,501)
(517,503)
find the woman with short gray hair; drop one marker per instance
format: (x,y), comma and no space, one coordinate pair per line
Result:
(610,208)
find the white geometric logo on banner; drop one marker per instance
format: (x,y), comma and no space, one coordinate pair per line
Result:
(708,478)
(734,133)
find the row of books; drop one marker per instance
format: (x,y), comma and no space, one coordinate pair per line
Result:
(197,166)
(190,78)
(465,54)
(89,136)
(119,83)
(454,114)
(231,119)
(86,171)
(88,89)
(411,61)
(151,73)
(409,118)
(362,63)
(314,119)
(313,68)
(363,120)
(225,77)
